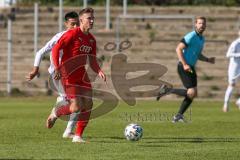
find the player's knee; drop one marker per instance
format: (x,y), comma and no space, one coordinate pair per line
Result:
(74,107)
(192,93)
(75,110)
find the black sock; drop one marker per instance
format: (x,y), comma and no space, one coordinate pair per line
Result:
(180,92)
(185,104)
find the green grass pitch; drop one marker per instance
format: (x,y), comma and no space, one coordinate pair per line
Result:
(210,133)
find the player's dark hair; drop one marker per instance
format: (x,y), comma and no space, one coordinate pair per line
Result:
(200,17)
(71,15)
(86,10)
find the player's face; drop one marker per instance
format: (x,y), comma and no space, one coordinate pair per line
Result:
(87,21)
(200,26)
(72,23)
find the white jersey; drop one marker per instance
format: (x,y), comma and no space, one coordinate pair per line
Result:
(234,64)
(234,49)
(46,49)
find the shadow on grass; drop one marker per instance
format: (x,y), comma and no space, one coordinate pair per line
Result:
(152,140)
(153,146)
(191,139)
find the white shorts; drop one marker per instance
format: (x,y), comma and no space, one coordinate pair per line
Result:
(233,70)
(57,86)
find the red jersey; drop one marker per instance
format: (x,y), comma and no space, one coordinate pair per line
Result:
(75,43)
(76,47)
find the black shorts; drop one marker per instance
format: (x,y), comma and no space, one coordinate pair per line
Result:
(189,79)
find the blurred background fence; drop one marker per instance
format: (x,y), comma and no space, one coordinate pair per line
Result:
(153,40)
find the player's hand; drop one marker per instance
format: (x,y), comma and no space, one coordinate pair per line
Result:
(57,75)
(32,74)
(211,60)
(187,68)
(102,75)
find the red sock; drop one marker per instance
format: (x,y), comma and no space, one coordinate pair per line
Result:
(80,128)
(63,110)
(82,123)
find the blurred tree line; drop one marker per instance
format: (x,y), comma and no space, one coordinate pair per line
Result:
(139,2)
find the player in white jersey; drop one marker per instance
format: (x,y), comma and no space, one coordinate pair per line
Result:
(233,54)
(71,21)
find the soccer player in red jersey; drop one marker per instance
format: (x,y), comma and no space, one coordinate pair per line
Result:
(78,45)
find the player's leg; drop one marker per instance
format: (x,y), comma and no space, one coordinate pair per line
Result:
(83,118)
(192,92)
(232,75)
(81,125)
(68,133)
(58,112)
(73,90)
(189,81)
(61,100)
(179,91)
(72,107)
(227,97)
(164,90)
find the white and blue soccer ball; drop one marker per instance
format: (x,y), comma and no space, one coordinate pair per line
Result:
(133,132)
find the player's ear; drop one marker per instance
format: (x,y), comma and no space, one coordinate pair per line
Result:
(65,23)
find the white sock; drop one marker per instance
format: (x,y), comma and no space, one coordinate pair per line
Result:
(72,122)
(228,95)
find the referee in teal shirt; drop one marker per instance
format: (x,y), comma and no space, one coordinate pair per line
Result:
(189,50)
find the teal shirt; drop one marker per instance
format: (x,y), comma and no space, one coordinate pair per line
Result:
(194,45)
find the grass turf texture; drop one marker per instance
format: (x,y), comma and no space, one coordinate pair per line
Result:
(210,134)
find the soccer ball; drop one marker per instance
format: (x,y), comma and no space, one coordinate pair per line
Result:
(133,132)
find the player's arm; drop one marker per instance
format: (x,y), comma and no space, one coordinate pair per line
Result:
(94,64)
(179,51)
(39,55)
(61,43)
(206,59)
(33,73)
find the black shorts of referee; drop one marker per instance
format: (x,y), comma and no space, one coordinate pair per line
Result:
(189,79)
